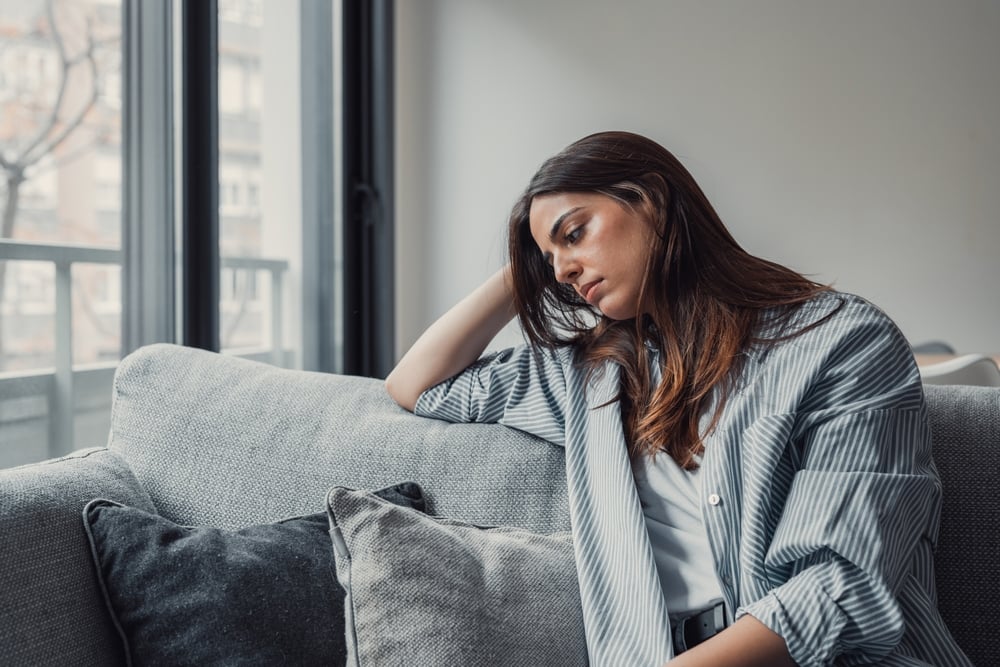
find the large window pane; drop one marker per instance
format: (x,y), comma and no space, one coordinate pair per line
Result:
(60,230)
(63,244)
(260,221)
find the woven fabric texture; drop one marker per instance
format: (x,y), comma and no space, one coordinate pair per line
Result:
(227,442)
(426,591)
(965,425)
(51,609)
(196,595)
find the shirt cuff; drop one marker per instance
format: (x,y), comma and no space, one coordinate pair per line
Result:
(821,616)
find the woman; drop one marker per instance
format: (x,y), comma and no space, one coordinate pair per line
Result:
(747,451)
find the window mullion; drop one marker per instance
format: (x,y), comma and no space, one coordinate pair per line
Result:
(200,173)
(319,342)
(148,175)
(368,188)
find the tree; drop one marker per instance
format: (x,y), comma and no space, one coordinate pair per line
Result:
(50,122)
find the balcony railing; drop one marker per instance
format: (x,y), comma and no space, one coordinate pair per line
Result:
(69,392)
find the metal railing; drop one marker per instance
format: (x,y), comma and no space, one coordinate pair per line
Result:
(57,384)
(277,269)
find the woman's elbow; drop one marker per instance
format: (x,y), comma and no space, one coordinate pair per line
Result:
(406,398)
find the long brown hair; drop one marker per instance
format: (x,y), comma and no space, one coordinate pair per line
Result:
(708,295)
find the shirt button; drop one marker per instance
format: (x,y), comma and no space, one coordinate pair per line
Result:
(714,499)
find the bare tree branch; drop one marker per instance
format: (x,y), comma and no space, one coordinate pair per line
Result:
(38,148)
(71,125)
(53,118)
(66,158)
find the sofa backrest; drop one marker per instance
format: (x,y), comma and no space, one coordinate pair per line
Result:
(222,441)
(227,442)
(965,423)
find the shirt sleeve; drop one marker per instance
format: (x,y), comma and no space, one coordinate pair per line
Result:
(520,387)
(865,494)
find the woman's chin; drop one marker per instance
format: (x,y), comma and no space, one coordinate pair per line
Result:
(616,314)
(615,310)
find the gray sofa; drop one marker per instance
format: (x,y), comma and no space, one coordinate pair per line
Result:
(206,439)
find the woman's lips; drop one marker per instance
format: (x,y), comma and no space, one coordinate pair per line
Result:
(587,291)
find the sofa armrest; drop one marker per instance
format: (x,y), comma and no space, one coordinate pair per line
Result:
(965,423)
(51,609)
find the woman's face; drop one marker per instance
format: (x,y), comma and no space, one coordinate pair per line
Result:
(595,244)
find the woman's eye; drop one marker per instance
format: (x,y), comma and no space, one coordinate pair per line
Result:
(574,235)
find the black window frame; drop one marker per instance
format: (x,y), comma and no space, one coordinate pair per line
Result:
(368,187)
(362,300)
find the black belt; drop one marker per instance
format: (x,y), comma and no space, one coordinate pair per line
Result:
(689,631)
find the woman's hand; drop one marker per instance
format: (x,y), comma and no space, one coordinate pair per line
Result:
(454,341)
(746,643)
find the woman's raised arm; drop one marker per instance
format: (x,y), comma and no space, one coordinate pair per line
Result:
(454,341)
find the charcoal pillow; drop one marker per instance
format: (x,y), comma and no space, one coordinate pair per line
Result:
(427,591)
(184,595)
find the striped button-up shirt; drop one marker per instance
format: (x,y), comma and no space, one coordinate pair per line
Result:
(820,497)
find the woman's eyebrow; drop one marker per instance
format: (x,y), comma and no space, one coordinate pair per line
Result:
(554,231)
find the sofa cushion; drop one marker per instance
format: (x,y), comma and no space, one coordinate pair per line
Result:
(263,594)
(269,441)
(429,591)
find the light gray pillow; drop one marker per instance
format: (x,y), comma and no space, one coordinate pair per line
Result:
(423,590)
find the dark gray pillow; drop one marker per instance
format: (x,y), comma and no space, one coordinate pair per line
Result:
(428,591)
(184,595)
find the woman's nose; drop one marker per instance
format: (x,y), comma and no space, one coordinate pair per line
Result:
(566,268)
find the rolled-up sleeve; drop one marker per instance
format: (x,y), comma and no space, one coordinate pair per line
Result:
(865,494)
(849,536)
(520,387)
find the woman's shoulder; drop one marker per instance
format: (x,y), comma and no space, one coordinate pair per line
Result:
(836,320)
(830,309)
(848,352)
(852,311)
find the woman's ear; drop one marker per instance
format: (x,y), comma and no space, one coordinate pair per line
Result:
(654,214)
(655,201)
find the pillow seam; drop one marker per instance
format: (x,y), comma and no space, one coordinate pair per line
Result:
(101,583)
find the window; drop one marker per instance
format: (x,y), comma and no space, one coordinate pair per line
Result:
(260,219)
(60,147)
(100,157)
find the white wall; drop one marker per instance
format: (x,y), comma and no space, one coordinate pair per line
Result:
(854,140)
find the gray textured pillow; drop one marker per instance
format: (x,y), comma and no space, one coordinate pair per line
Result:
(428,591)
(199,595)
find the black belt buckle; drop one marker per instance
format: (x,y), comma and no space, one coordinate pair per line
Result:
(692,630)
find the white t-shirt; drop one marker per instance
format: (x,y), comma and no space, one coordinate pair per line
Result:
(670,502)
